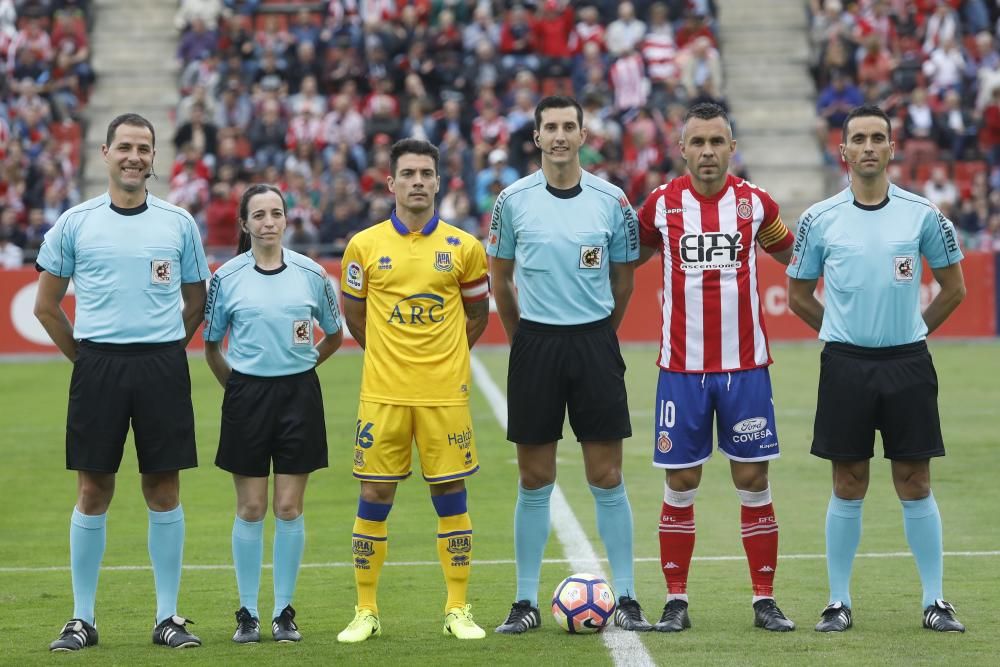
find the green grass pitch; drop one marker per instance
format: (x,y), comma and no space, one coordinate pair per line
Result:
(38,495)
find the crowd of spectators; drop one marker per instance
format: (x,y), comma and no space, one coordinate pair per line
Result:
(310,96)
(44,78)
(933,65)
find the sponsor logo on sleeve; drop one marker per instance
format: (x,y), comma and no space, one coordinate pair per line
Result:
(354,276)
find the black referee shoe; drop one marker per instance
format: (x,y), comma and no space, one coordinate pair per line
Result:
(629,616)
(172,633)
(836,618)
(75,635)
(939,617)
(522,617)
(247,628)
(283,627)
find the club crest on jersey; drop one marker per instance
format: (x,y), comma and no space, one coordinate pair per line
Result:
(442,260)
(359,458)
(663,442)
(354,276)
(904,268)
(744,210)
(159,272)
(710,251)
(591,256)
(302,332)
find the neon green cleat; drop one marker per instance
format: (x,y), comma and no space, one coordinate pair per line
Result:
(458,621)
(364,626)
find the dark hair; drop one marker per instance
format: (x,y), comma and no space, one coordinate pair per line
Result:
(415,147)
(133,119)
(256,189)
(706,111)
(557,102)
(866,110)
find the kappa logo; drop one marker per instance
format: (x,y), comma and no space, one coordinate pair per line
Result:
(744,210)
(766,568)
(591,256)
(302,332)
(904,268)
(354,276)
(671,566)
(159,272)
(663,442)
(442,260)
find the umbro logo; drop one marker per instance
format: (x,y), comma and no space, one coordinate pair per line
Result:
(766,568)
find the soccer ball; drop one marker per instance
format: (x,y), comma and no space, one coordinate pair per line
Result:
(583,603)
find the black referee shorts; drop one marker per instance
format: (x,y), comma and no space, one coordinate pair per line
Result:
(145,383)
(891,389)
(272,418)
(555,368)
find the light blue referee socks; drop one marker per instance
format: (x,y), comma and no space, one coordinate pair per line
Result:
(289,542)
(922,525)
(614,523)
(531,532)
(166,551)
(87,536)
(248,556)
(843,534)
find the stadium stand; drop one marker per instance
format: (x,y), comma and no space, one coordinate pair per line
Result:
(45,76)
(933,66)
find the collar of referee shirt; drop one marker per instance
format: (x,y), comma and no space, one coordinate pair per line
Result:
(427,230)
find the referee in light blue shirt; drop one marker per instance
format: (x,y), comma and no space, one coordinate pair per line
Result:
(268,299)
(569,241)
(135,260)
(867,242)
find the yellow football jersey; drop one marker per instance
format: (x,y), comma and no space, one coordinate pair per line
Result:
(414,285)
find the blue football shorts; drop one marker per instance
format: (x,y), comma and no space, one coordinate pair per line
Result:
(743,408)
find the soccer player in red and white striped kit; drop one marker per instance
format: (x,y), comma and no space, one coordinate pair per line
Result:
(714,355)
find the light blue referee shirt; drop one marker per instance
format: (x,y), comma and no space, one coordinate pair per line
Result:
(562,243)
(127,267)
(270,314)
(869,257)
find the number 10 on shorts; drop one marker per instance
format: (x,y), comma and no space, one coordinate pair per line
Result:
(666,414)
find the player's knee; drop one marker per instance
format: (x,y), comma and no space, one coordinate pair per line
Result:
(382,494)
(287,510)
(251,509)
(684,479)
(606,477)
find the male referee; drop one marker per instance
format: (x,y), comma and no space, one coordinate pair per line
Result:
(876,372)
(570,240)
(133,259)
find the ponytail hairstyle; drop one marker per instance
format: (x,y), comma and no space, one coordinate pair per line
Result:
(243,244)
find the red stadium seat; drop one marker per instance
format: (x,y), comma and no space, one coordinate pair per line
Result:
(69,133)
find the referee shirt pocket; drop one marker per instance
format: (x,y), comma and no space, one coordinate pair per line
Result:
(843,270)
(533,251)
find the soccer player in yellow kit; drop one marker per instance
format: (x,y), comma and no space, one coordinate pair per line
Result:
(416,299)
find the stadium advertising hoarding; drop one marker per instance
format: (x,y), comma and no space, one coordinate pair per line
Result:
(20,332)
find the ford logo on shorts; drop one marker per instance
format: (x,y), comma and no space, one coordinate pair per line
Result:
(752,425)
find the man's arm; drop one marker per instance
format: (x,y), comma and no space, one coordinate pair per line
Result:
(952,283)
(48,310)
(646,252)
(622,283)
(356,316)
(783,256)
(193,295)
(477,315)
(330,344)
(502,280)
(217,361)
(803,302)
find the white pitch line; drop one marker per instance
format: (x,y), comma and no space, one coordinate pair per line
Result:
(434,563)
(626,647)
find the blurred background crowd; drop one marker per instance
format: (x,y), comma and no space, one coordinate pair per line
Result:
(311,95)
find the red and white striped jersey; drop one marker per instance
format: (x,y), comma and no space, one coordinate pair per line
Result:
(712,315)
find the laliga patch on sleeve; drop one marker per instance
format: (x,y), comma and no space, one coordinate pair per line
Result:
(591,256)
(302,332)
(159,273)
(355,276)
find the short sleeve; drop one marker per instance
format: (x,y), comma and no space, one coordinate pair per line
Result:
(329,312)
(474,282)
(649,235)
(773,236)
(625,234)
(216,313)
(807,252)
(501,242)
(57,254)
(938,240)
(194,264)
(353,280)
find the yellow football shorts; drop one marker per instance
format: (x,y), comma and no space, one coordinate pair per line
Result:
(385,434)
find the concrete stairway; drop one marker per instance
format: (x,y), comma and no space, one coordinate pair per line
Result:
(767,83)
(132,51)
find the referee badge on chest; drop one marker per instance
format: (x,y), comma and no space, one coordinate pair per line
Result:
(591,256)
(302,332)
(903,266)
(159,272)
